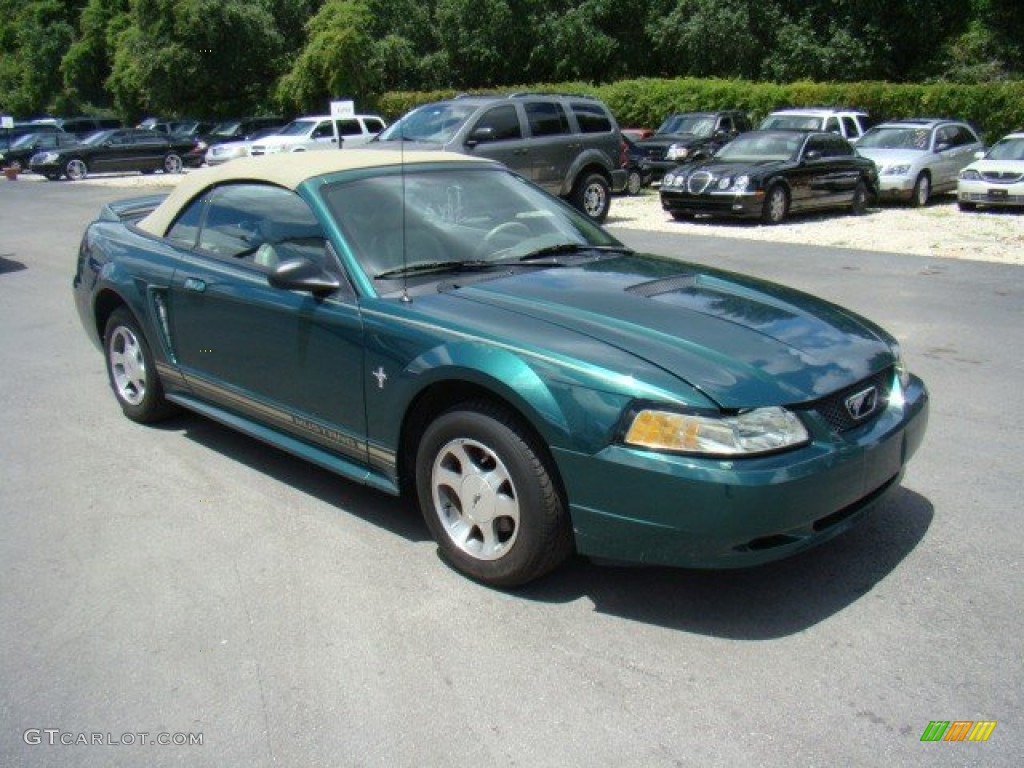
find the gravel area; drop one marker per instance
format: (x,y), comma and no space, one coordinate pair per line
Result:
(940,229)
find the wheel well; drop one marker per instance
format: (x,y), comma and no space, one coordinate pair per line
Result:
(106,303)
(587,170)
(438,398)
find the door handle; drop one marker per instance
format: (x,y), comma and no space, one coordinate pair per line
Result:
(195,284)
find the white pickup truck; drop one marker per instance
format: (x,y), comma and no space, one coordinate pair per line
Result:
(320,132)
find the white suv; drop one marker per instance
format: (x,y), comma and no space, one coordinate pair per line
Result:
(320,132)
(848,123)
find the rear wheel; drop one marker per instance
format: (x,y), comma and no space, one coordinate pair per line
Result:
(922,191)
(592,196)
(76,169)
(131,370)
(489,496)
(172,163)
(776,205)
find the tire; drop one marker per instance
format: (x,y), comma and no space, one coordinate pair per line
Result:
(776,205)
(172,163)
(131,370)
(592,196)
(967,206)
(922,191)
(489,497)
(859,203)
(76,169)
(634,183)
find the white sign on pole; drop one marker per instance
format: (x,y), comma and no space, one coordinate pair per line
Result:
(6,121)
(346,108)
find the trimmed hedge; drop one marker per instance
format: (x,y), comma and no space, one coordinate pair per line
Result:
(995,108)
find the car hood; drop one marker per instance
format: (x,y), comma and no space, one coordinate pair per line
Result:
(741,341)
(997,166)
(719,168)
(666,139)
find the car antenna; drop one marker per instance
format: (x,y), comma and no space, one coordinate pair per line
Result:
(401,164)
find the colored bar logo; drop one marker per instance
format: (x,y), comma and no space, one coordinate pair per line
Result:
(958,730)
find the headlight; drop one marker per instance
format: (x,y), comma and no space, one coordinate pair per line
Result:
(676,152)
(761,430)
(724,183)
(969,174)
(741,182)
(895,170)
(669,178)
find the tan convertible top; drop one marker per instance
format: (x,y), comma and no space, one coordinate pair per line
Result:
(288,169)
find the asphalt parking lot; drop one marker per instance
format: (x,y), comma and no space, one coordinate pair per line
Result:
(185,581)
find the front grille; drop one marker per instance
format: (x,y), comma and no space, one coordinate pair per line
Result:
(834,410)
(984,197)
(1002,177)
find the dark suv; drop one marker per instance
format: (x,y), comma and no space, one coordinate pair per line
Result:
(569,145)
(688,136)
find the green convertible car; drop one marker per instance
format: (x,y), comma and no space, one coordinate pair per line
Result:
(436,325)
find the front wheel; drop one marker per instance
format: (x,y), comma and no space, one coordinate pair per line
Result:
(859,204)
(132,371)
(776,205)
(76,169)
(922,191)
(489,497)
(634,183)
(592,196)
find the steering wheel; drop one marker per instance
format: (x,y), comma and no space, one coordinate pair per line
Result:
(507,232)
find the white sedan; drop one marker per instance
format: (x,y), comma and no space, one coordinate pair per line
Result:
(996,178)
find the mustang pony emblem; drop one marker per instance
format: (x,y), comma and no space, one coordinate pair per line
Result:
(380,376)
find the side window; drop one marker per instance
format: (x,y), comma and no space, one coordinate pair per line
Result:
(323,130)
(832,125)
(546,118)
(943,135)
(503,120)
(591,117)
(850,127)
(374,125)
(961,136)
(725,124)
(816,144)
(185,229)
(262,225)
(349,127)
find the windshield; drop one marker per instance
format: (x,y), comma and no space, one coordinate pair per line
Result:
(759,146)
(432,124)
(791,123)
(1007,149)
(698,125)
(229,128)
(297,128)
(895,137)
(480,216)
(24,141)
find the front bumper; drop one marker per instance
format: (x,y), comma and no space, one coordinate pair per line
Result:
(748,205)
(991,194)
(644,507)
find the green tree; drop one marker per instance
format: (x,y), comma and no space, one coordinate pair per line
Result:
(88,62)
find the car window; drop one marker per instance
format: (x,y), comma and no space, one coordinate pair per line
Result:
(373,124)
(816,144)
(725,124)
(546,118)
(850,126)
(959,135)
(503,120)
(349,127)
(591,117)
(832,125)
(324,130)
(185,229)
(260,224)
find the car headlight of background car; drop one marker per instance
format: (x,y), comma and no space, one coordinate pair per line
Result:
(761,430)
(970,174)
(676,152)
(896,170)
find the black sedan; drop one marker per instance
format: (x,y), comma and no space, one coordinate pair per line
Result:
(129,149)
(770,174)
(24,147)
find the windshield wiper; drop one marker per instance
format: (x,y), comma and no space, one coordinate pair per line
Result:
(554,250)
(425,267)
